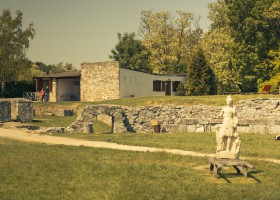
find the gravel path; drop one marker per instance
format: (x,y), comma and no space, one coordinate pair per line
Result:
(55,140)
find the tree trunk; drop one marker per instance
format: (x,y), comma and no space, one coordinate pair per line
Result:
(2,89)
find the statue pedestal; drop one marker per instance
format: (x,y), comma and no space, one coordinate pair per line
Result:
(227,155)
(216,165)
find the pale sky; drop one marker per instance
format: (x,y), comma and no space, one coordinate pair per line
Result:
(77,31)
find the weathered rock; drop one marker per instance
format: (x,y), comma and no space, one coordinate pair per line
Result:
(254,116)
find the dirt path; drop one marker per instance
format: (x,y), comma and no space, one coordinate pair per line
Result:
(48,139)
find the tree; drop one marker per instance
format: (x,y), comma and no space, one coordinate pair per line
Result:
(217,44)
(60,67)
(14,42)
(181,91)
(255,33)
(131,53)
(170,39)
(200,78)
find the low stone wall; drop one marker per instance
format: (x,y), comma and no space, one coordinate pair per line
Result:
(20,110)
(5,111)
(91,112)
(255,116)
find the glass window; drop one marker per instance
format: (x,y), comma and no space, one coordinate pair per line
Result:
(175,85)
(156,85)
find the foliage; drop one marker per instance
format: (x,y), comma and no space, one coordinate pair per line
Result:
(274,82)
(200,79)
(60,67)
(242,34)
(170,39)
(217,44)
(254,34)
(181,90)
(28,75)
(14,42)
(131,53)
(14,89)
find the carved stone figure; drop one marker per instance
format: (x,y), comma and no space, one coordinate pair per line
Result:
(228,141)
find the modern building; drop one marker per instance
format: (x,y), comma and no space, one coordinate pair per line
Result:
(64,86)
(106,80)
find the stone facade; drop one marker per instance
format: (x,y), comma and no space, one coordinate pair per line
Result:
(100,81)
(20,110)
(5,111)
(255,116)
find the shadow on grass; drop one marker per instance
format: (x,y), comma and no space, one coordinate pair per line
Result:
(37,121)
(250,174)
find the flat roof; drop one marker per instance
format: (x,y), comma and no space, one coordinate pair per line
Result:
(60,75)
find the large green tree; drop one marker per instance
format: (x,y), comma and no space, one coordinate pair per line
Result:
(255,33)
(217,44)
(200,78)
(131,53)
(14,43)
(170,39)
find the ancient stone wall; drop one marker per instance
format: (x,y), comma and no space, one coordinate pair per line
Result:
(25,110)
(20,110)
(5,111)
(255,116)
(91,112)
(100,81)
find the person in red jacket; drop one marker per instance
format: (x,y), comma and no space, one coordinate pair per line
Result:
(42,94)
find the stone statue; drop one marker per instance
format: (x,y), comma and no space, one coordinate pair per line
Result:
(228,141)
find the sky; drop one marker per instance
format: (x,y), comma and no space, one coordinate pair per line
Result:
(78,31)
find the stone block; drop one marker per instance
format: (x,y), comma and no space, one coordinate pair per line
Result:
(191,128)
(189,121)
(275,129)
(261,129)
(200,128)
(243,129)
(5,111)
(174,128)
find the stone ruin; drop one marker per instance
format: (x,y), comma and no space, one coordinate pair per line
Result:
(20,110)
(255,116)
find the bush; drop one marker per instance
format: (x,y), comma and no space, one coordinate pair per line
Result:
(274,81)
(181,91)
(17,88)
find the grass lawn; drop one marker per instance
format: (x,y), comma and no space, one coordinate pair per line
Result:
(36,171)
(53,121)
(213,100)
(253,145)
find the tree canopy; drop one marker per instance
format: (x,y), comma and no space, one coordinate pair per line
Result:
(14,43)
(131,53)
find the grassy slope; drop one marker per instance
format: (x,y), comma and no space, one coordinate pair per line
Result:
(33,171)
(215,100)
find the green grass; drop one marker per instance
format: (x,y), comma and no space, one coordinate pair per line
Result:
(253,145)
(100,127)
(53,121)
(35,171)
(60,121)
(214,100)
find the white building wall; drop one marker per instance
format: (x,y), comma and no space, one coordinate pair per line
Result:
(138,84)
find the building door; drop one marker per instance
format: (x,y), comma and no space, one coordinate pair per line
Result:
(167,88)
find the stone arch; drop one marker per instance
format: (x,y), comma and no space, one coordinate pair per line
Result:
(90,112)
